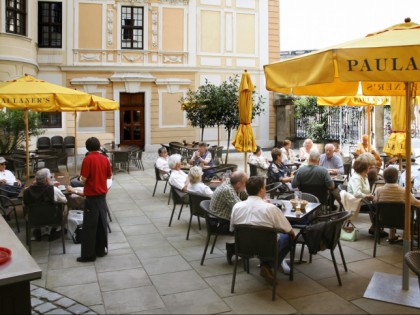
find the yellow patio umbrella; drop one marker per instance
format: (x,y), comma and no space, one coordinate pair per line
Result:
(358,100)
(29,93)
(387,63)
(244,140)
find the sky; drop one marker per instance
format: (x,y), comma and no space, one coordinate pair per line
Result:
(316,24)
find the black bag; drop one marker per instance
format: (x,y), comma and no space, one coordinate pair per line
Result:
(77,235)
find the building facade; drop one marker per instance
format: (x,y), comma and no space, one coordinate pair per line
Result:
(145,54)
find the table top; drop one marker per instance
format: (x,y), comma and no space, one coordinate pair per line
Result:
(21,267)
(340,179)
(213,184)
(121,148)
(290,213)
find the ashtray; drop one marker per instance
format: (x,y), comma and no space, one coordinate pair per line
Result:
(5,255)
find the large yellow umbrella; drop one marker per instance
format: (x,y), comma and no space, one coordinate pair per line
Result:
(29,93)
(358,100)
(244,140)
(386,63)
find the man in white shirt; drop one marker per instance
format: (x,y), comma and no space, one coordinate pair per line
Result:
(162,163)
(8,181)
(178,178)
(256,211)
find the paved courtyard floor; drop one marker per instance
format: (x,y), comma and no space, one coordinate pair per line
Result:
(152,269)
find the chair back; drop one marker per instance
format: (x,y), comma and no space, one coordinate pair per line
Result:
(44,213)
(211,219)
(347,170)
(69,142)
(252,169)
(256,241)
(334,228)
(195,200)
(304,196)
(320,191)
(121,156)
(57,142)
(412,259)
(43,143)
(390,214)
(177,195)
(342,187)
(157,173)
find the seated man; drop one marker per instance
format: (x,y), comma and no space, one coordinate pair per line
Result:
(42,190)
(178,178)
(230,192)
(363,147)
(392,192)
(331,161)
(8,182)
(256,211)
(162,163)
(202,157)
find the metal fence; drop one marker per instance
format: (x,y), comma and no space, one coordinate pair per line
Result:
(342,124)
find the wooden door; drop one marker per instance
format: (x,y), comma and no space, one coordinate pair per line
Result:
(132,126)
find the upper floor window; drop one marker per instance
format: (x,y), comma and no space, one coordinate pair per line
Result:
(132,27)
(51,120)
(16,16)
(49,24)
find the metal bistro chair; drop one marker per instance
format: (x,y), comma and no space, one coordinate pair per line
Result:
(256,241)
(177,198)
(195,210)
(43,143)
(158,179)
(122,159)
(412,259)
(57,142)
(7,207)
(212,227)
(44,214)
(321,234)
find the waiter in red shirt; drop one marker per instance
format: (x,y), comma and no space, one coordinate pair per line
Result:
(95,171)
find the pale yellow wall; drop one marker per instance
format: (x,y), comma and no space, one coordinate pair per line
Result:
(173,29)
(245,33)
(90,119)
(210,32)
(90,26)
(172,114)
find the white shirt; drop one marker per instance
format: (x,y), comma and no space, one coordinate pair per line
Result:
(200,188)
(256,211)
(260,162)
(162,164)
(358,186)
(8,176)
(177,179)
(287,155)
(59,196)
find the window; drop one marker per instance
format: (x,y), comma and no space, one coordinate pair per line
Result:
(132,27)
(49,24)
(16,16)
(51,120)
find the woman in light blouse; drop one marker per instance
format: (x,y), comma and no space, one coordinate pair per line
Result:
(305,150)
(196,185)
(287,155)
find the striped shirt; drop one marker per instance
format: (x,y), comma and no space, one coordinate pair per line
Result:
(392,193)
(223,200)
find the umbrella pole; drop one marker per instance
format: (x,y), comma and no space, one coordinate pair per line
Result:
(25,115)
(75,143)
(369,128)
(245,162)
(407,223)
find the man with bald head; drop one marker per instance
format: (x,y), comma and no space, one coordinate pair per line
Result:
(313,173)
(224,198)
(331,161)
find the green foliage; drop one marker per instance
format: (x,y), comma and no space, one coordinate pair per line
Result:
(314,116)
(213,105)
(12,129)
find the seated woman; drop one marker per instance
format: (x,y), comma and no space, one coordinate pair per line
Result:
(278,172)
(196,185)
(359,187)
(260,161)
(363,147)
(305,150)
(287,155)
(162,163)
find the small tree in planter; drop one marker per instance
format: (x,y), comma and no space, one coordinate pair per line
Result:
(12,129)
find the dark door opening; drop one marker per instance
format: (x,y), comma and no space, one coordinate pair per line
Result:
(132,126)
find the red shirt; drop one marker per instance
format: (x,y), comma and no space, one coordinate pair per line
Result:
(96,169)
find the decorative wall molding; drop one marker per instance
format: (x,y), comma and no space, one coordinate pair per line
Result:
(90,57)
(110,25)
(174,2)
(89,81)
(133,58)
(172,59)
(134,1)
(155,28)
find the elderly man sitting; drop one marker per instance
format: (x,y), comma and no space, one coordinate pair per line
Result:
(331,161)
(8,182)
(178,178)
